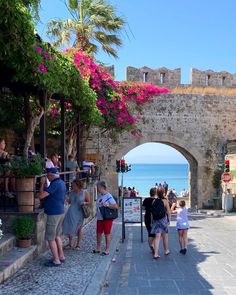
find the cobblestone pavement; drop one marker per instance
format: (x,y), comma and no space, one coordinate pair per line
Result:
(72,277)
(209,266)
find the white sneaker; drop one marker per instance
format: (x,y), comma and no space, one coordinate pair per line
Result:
(9,195)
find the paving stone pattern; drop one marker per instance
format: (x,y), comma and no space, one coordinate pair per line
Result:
(72,277)
(209,266)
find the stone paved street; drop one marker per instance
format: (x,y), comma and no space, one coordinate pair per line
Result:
(208,268)
(76,276)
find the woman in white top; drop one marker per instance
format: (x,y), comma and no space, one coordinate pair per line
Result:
(105,199)
(182,226)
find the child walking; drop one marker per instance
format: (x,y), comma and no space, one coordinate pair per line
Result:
(182,226)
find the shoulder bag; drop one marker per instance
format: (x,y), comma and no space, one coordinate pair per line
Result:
(108,213)
(85,209)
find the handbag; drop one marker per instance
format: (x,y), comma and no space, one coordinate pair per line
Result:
(85,209)
(108,213)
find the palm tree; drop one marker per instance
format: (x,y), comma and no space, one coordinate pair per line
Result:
(92,23)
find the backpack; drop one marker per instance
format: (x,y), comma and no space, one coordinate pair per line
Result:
(158,209)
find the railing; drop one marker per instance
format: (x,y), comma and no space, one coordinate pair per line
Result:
(21,194)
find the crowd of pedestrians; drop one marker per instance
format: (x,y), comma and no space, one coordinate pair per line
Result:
(69,224)
(157,219)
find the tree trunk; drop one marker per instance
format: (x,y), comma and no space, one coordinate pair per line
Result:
(71,147)
(31,121)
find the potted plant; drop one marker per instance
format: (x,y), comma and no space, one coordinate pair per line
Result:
(24,171)
(24,228)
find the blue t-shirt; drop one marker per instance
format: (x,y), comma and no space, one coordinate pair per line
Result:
(54,202)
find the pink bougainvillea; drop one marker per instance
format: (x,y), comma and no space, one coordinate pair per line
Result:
(114,98)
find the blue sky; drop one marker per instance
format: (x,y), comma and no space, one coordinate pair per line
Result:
(169,33)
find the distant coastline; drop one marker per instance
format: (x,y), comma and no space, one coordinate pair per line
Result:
(144,176)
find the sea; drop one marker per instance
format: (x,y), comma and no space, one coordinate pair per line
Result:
(145,176)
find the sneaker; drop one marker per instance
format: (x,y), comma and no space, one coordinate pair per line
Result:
(9,195)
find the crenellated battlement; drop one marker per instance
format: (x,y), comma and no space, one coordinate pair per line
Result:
(172,78)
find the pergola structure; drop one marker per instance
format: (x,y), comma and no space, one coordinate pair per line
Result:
(18,88)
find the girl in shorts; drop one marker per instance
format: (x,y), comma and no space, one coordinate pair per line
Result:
(182,226)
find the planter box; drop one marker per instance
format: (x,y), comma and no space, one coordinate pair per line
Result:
(25,187)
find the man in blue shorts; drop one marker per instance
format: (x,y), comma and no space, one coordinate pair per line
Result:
(54,198)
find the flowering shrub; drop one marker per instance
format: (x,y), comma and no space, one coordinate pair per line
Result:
(118,102)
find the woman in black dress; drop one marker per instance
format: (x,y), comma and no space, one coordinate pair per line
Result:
(147,204)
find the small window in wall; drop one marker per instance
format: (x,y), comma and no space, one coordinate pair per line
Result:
(162,78)
(208,77)
(145,77)
(223,81)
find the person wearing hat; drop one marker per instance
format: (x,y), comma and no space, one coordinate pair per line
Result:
(104,226)
(54,198)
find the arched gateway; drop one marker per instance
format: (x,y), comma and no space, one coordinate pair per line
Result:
(198,126)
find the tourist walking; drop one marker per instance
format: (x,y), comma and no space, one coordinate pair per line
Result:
(182,226)
(105,199)
(54,198)
(73,221)
(172,198)
(147,204)
(161,218)
(165,186)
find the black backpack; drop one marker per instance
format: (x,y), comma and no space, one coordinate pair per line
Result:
(158,209)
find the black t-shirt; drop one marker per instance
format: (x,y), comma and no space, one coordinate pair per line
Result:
(147,203)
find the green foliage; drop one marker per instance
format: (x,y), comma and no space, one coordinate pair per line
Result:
(21,166)
(93,22)
(27,59)
(216,181)
(24,227)
(9,118)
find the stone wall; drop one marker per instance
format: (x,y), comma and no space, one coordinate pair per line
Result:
(197,126)
(172,78)
(210,78)
(161,76)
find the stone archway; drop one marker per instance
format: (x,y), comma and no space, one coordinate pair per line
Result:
(173,142)
(198,126)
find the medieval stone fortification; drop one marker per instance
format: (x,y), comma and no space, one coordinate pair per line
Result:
(172,78)
(198,126)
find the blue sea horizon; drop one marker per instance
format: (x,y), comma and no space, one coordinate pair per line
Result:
(144,176)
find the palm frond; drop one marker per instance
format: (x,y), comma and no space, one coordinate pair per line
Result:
(109,50)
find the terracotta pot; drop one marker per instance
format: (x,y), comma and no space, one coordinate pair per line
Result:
(25,187)
(24,243)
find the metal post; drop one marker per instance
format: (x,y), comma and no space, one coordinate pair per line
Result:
(78,142)
(141,209)
(63,132)
(226,199)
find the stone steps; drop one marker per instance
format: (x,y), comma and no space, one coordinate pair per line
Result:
(13,258)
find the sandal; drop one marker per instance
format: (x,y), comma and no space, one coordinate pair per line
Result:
(77,248)
(167,252)
(67,247)
(96,252)
(156,257)
(105,253)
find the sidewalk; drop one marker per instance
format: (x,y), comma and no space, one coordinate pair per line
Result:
(82,273)
(209,266)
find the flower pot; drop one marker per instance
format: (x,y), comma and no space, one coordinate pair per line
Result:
(25,187)
(24,243)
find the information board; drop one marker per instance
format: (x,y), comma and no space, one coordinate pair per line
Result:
(132,210)
(132,213)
